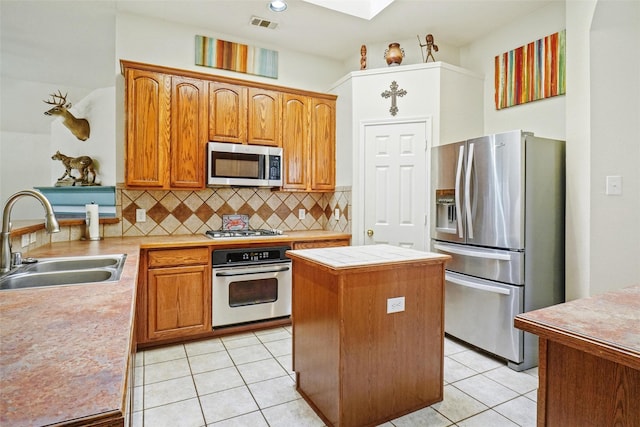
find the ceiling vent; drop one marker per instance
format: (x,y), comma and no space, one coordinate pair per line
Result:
(265,23)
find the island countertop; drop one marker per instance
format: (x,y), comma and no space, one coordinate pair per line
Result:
(365,256)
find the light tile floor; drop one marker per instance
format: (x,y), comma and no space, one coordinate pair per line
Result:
(246,380)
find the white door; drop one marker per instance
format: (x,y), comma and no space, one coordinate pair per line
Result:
(396,184)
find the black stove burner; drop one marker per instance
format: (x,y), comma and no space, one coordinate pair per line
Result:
(215,234)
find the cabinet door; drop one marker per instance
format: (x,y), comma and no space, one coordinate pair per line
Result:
(179,302)
(148,128)
(188,132)
(227,113)
(295,141)
(264,117)
(323,144)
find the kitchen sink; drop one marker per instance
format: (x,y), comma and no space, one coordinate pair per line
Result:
(74,263)
(65,271)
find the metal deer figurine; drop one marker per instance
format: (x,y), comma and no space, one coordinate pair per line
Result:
(78,127)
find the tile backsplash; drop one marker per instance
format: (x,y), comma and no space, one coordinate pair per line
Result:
(194,212)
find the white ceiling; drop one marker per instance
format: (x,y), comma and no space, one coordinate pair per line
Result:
(38,36)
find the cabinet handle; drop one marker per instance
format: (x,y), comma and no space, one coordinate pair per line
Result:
(370,233)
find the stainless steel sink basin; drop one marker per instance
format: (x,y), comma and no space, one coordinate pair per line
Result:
(65,271)
(75,263)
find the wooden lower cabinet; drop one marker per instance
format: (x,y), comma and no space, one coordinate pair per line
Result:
(178,293)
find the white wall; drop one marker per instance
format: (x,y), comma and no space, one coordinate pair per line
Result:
(170,44)
(577,203)
(615,146)
(545,117)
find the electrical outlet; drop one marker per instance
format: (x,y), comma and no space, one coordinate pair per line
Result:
(141,215)
(395,305)
(302,213)
(336,214)
(25,240)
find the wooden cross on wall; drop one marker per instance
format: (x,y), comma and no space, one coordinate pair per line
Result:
(393,93)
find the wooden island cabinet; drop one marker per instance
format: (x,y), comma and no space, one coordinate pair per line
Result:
(589,360)
(368,331)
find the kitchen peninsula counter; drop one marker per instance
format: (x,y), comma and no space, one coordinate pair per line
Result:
(66,351)
(589,360)
(367,331)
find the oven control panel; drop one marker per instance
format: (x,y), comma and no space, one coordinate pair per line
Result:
(244,256)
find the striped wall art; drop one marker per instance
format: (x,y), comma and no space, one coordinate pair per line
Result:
(236,57)
(531,72)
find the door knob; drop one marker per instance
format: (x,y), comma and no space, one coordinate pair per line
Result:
(370,233)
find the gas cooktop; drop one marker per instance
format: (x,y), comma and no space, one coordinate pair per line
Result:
(216,234)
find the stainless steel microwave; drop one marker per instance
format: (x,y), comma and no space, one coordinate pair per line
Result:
(243,165)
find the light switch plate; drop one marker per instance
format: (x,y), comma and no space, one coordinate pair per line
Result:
(614,185)
(25,240)
(395,305)
(336,214)
(302,213)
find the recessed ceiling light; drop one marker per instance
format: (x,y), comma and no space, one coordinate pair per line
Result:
(278,5)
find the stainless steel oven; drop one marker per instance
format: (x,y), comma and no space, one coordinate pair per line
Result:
(250,284)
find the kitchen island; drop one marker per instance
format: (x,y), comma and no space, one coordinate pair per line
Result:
(367,331)
(589,360)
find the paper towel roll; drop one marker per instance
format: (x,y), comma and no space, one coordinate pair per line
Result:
(93,222)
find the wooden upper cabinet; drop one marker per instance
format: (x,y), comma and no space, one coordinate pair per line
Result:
(227,113)
(323,144)
(308,143)
(244,115)
(189,109)
(166,130)
(295,141)
(148,97)
(264,117)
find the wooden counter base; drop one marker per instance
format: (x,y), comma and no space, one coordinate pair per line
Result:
(589,363)
(355,364)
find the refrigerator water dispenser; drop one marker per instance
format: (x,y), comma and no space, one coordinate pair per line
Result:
(446,211)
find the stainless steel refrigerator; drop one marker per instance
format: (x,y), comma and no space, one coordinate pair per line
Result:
(498,210)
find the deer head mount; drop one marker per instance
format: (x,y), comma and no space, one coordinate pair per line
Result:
(78,127)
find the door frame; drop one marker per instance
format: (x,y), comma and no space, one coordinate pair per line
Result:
(358,193)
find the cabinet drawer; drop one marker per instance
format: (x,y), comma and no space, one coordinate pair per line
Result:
(178,257)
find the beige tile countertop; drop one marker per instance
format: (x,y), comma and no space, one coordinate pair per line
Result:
(64,350)
(358,256)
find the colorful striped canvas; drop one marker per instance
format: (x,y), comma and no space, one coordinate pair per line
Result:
(236,57)
(531,72)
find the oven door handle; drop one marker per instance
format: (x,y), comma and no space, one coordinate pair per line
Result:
(245,272)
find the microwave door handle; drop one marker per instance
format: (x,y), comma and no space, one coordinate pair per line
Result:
(245,272)
(467,192)
(457,192)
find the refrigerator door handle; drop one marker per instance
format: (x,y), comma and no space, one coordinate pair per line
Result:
(478,286)
(475,254)
(457,192)
(467,190)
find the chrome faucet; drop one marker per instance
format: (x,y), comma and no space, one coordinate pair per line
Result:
(50,224)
